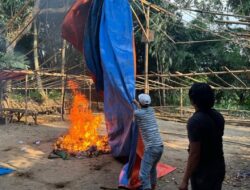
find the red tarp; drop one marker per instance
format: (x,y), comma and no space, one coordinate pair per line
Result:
(74,23)
(12,75)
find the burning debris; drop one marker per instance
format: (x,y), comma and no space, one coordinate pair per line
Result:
(82,139)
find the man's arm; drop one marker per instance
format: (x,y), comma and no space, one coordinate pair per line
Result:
(193,161)
(137,103)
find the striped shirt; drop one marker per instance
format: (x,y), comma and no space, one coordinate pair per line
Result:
(145,120)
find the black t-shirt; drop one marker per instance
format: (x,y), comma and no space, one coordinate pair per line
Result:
(208,128)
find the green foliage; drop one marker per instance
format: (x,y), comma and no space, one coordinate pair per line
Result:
(236,100)
(165,56)
(173,98)
(36,96)
(54,94)
(8,8)
(240,6)
(19,97)
(13,61)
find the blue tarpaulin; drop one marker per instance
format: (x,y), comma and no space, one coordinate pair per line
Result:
(117,58)
(91,43)
(107,27)
(5,171)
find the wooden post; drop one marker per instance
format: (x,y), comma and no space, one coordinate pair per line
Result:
(181,102)
(1,92)
(26,99)
(63,79)
(90,98)
(146,51)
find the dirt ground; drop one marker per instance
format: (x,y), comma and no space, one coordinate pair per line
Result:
(34,171)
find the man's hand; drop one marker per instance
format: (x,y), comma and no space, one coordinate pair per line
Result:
(137,103)
(193,161)
(183,186)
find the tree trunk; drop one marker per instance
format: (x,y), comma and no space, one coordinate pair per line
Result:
(8,83)
(36,64)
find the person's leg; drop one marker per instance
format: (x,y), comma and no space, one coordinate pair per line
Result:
(200,181)
(218,180)
(218,185)
(194,184)
(207,180)
(153,175)
(146,166)
(156,154)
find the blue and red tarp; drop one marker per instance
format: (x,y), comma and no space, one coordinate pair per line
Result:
(5,171)
(103,31)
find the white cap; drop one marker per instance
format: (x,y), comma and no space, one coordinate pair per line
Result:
(144,99)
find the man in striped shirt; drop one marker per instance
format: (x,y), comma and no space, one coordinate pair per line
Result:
(153,146)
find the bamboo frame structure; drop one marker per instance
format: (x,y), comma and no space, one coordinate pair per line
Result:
(192,77)
(217,13)
(181,81)
(51,80)
(222,37)
(55,81)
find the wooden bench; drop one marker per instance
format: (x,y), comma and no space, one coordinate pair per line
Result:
(10,110)
(10,113)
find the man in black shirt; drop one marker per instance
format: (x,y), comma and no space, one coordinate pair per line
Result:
(206,165)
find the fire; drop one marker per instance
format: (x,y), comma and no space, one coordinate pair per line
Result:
(83,132)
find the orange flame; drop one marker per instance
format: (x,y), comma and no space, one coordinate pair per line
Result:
(83,132)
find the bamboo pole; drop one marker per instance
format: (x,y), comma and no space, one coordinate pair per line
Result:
(157,8)
(187,83)
(202,73)
(51,88)
(90,98)
(84,77)
(42,73)
(236,77)
(232,22)
(160,83)
(139,22)
(220,78)
(170,38)
(217,13)
(194,80)
(181,102)
(202,41)
(51,57)
(162,10)
(215,88)
(146,51)
(143,11)
(156,82)
(63,78)
(26,99)
(171,80)
(63,98)
(212,82)
(25,27)
(188,77)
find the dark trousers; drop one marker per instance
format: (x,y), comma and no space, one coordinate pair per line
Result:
(207,180)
